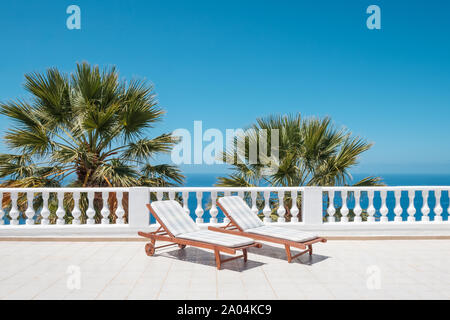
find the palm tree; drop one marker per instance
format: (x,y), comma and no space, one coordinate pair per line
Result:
(87,125)
(311,152)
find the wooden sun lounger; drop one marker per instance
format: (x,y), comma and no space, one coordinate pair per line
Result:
(163,234)
(233,228)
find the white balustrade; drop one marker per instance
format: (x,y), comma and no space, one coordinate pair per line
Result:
(331,209)
(281,211)
(267,211)
(185,196)
(120,211)
(437,208)
(199,210)
(60,212)
(86,202)
(45,213)
(370,208)
(30,210)
(76,212)
(105,209)
(425,208)
(90,212)
(2,213)
(213,211)
(344,208)
(411,209)
(398,209)
(383,209)
(254,196)
(14,212)
(294,208)
(357,210)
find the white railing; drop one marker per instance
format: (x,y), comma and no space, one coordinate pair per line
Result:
(76,206)
(421,204)
(264,201)
(122,211)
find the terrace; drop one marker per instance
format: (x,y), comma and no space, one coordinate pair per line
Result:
(384,243)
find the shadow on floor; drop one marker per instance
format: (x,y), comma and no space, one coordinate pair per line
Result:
(205,257)
(280,253)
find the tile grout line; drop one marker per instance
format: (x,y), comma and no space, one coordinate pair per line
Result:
(35,296)
(28,266)
(118,272)
(268,281)
(164,280)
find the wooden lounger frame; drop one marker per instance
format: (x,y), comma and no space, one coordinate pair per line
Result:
(163,234)
(233,228)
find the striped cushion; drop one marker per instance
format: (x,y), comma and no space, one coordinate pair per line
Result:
(240,212)
(283,233)
(173,216)
(218,238)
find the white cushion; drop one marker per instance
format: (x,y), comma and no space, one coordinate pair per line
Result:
(222,239)
(283,233)
(173,216)
(238,209)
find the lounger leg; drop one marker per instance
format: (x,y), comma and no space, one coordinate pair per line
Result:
(244,252)
(310,249)
(150,247)
(288,252)
(217,255)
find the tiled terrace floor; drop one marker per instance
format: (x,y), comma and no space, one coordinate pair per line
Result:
(382,269)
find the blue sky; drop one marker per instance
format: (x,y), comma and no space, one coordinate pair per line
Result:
(229,62)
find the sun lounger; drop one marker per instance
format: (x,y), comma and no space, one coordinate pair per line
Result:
(177,227)
(243,222)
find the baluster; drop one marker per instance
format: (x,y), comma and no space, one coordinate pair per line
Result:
(120,212)
(370,208)
(344,208)
(411,209)
(357,210)
(226,220)
(281,211)
(60,212)
(254,196)
(105,209)
(448,209)
(213,211)
(294,208)
(30,210)
(241,194)
(437,208)
(185,202)
(199,210)
(425,208)
(266,210)
(159,195)
(14,212)
(171,195)
(76,212)
(90,212)
(2,213)
(45,213)
(398,209)
(331,210)
(384,209)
